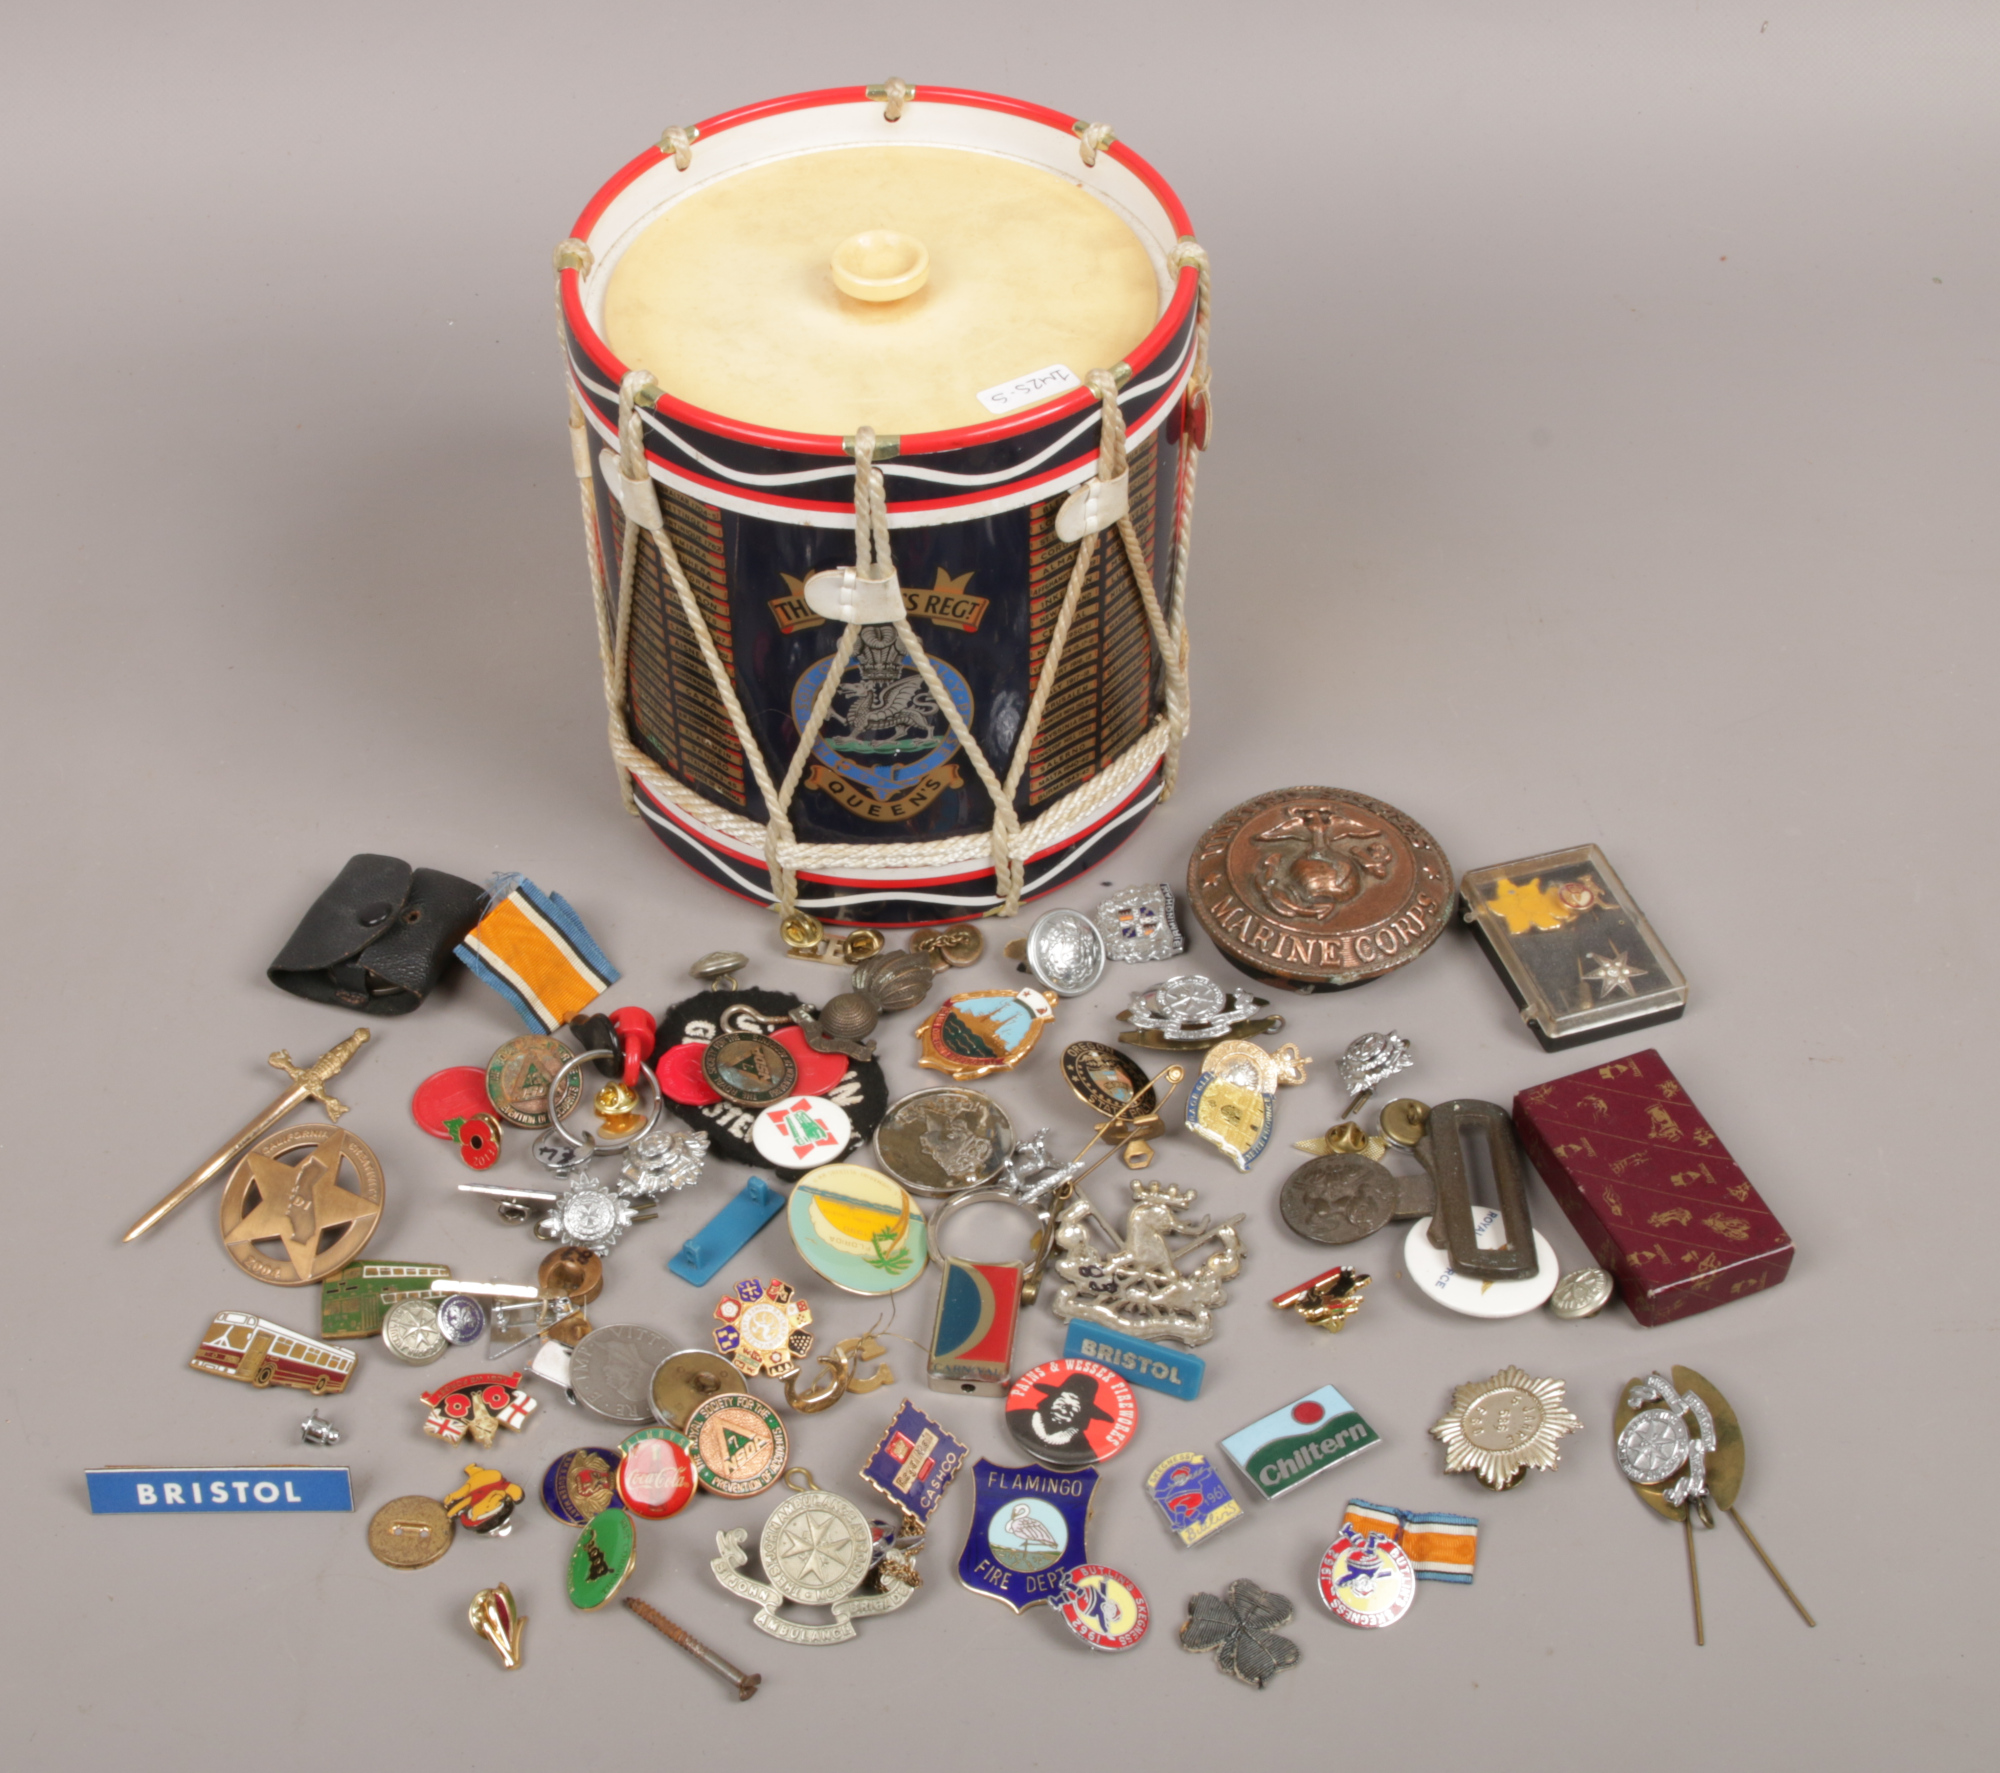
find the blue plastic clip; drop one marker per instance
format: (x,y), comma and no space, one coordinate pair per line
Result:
(702,1256)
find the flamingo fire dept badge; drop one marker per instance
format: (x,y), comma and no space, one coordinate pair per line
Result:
(1027,1532)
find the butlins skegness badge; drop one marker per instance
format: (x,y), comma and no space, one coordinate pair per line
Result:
(1366,1578)
(1191,1496)
(1027,1532)
(1104,1607)
(913,1462)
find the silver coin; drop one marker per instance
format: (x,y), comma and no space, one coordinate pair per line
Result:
(938,1142)
(1339,1199)
(611,1371)
(412,1333)
(816,1548)
(1583,1292)
(462,1319)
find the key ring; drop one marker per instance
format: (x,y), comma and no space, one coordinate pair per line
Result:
(589,1142)
(1038,1248)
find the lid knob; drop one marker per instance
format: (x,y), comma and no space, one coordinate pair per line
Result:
(879,265)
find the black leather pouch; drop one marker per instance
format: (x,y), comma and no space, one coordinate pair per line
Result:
(379,937)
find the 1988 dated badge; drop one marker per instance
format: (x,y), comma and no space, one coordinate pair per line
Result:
(1366,1578)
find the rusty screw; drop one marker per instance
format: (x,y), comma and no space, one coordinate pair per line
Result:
(745,1684)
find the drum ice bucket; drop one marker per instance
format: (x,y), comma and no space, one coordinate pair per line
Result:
(885,404)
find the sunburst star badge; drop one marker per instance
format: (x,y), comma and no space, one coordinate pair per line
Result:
(1499,1428)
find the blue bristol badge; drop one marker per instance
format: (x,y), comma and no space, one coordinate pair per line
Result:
(220,1489)
(1151,1364)
(885,749)
(1027,1532)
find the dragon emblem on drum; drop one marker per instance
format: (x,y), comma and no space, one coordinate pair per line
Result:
(886,748)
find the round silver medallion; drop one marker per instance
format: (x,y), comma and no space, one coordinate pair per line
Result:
(1583,1292)
(611,1371)
(412,1333)
(1065,952)
(938,1142)
(1653,1446)
(815,1548)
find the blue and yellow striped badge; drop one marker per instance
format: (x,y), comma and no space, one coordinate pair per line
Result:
(533,949)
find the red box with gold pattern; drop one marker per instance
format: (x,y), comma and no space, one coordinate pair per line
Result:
(1651,1188)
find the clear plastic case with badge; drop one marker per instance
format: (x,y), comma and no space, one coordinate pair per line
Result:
(1572,946)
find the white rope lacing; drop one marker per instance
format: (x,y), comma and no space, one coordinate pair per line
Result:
(1009,841)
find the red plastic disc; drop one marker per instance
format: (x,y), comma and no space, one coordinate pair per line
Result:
(818,1072)
(450,1095)
(679,1072)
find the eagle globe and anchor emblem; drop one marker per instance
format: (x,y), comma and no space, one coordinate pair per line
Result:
(885,751)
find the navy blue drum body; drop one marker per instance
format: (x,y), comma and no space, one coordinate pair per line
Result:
(703,558)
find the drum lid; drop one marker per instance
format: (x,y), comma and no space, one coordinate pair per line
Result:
(727,296)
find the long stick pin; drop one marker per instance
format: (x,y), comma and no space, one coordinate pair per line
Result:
(311,1081)
(1680,1446)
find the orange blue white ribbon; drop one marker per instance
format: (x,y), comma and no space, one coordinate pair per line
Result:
(532,948)
(1441,1547)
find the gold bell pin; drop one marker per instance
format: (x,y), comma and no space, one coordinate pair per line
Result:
(311,1081)
(494,1616)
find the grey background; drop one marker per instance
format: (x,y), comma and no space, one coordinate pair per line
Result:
(1605,452)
